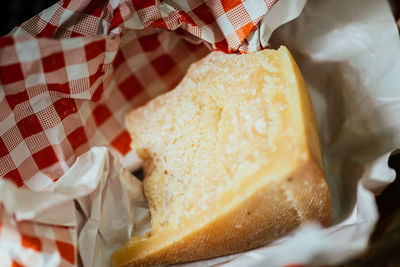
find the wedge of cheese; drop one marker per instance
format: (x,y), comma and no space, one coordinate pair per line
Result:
(232,160)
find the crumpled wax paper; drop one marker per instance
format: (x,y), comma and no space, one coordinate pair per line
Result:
(96,197)
(349,54)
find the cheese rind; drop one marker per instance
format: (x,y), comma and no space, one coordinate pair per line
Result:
(232,160)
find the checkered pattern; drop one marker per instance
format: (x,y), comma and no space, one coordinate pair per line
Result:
(222,25)
(35,244)
(69,74)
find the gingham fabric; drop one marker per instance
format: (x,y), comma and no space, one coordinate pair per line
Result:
(35,244)
(69,74)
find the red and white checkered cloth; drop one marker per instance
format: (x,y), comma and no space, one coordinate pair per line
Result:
(69,74)
(35,244)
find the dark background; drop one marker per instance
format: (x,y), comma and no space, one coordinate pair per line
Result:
(14,12)
(385,242)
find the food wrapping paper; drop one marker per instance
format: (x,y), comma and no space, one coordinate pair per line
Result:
(69,74)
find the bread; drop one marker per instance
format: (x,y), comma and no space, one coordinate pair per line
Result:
(232,160)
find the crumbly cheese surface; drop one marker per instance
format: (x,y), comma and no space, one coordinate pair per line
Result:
(232,159)
(206,129)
